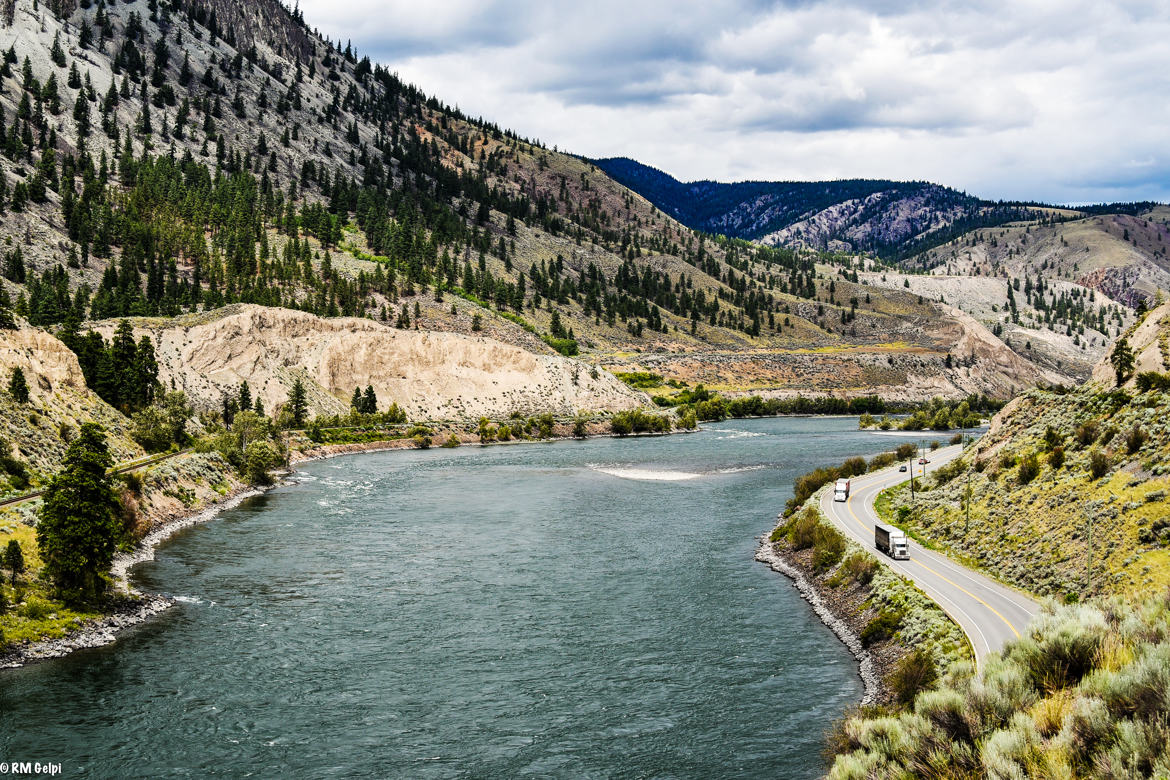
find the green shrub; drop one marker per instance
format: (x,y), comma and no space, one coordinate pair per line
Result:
(1152,380)
(1029,469)
(638,421)
(452,441)
(944,474)
(1135,439)
(1056,457)
(803,529)
(852,467)
(881,627)
(36,608)
(1086,433)
(860,567)
(1098,464)
(639,379)
(580,427)
(914,673)
(567,347)
(828,547)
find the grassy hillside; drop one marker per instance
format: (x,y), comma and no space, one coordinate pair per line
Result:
(1123,256)
(1054,467)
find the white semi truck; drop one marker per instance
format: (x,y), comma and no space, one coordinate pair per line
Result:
(892,541)
(841,490)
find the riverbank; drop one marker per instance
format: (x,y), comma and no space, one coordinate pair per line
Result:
(879,616)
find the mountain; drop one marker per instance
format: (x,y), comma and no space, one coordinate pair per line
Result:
(885,218)
(165,159)
(1056,285)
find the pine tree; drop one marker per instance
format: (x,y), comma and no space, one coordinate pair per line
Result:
(77,531)
(17,386)
(57,54)
(245,396)
(370,401)
(356,401)
(14,559)
(297,403)
(1122,360)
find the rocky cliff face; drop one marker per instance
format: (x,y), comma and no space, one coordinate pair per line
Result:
(1150,342)
(59,402)
(431,375)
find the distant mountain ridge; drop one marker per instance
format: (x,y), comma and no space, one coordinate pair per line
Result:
(894,220)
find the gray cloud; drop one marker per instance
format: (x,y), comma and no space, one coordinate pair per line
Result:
(1044,100)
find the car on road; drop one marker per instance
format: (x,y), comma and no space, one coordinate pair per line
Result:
(902,467)
(923,461)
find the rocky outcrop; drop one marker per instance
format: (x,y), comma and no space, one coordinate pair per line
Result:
(59,401)
(1150,342)
(431,375)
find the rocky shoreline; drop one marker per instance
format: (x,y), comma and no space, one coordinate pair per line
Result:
(830,612)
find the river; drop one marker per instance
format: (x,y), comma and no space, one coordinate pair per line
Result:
(561,609)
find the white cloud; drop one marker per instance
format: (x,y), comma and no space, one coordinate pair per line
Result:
(1036,100)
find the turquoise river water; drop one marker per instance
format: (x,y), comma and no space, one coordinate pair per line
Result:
(566,609)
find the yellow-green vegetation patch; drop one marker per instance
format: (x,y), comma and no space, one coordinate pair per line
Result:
(30,612)
(1058,469)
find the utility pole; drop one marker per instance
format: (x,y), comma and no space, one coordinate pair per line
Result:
(1089,564)
(967,530)
(912,480)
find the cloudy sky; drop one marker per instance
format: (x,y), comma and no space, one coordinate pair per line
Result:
(1061,101)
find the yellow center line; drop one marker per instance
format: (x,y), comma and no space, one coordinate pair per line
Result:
(957,608)
(849,506)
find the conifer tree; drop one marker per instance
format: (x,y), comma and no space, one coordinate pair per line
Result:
(297,403)
(14,559)
(77,531)
(17,386)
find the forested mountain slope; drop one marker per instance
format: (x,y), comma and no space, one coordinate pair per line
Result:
(1073,274)
(160,158)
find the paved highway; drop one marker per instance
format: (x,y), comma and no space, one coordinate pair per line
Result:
(990,613)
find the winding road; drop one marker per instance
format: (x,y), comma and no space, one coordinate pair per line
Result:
(991,614)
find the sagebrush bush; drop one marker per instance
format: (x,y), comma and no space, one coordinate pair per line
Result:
(1086,693)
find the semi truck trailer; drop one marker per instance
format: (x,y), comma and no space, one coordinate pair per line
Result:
(841,490)
(892,541)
